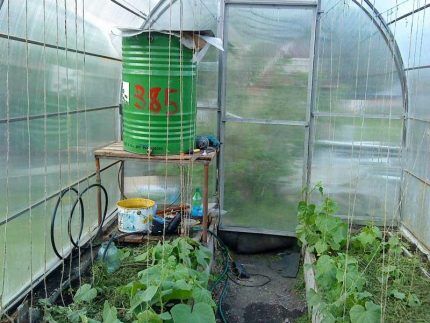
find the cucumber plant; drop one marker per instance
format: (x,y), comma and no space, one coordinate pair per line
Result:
(171,286)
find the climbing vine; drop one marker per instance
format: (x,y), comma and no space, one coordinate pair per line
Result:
(345,292)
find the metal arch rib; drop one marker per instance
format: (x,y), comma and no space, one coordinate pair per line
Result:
(382,26)
(388,36)
(151,21)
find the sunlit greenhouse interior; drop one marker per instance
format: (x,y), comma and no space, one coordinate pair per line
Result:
(194,161)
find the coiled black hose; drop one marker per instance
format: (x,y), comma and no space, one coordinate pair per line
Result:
(82,219)
(69,224)
(79,199)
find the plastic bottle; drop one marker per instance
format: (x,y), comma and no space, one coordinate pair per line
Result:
(110,256)
(197,207)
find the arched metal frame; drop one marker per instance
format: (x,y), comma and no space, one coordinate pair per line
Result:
(390,40)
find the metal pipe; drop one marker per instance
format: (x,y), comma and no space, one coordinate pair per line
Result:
(267,121)
(138,14)
(223,33)
(35,42)
(312,94)
(56,114)
(286,3)
(416,68)
(349,115)
(409,14)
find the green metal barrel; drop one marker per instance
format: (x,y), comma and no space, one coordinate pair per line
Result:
(159,95)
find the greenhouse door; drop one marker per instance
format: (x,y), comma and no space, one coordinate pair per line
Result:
(267,73)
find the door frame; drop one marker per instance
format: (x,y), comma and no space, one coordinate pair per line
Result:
(308,123)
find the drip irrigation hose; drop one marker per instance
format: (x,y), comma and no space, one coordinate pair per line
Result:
(221,299)
(54,215)
(237,281)
(81,226)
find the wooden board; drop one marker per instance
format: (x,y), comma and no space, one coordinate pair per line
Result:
(311,283)
(116,151)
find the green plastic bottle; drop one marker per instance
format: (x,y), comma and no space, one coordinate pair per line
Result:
(197,207)
(110,256)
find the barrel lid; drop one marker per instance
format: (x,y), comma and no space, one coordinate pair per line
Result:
(198,41)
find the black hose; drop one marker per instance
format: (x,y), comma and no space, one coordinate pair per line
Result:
(265,282)
(221,299)
(225,273)
(79,199)
(69,224)
(81,226)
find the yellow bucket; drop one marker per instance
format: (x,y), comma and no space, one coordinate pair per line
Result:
(136,215)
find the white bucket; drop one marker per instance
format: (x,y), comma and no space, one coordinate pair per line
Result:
(135,215)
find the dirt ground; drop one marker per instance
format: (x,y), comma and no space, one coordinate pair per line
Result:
(281,300)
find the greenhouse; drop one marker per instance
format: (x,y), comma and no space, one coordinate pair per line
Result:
(193,161)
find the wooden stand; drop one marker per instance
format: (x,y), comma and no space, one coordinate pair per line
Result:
(117,152)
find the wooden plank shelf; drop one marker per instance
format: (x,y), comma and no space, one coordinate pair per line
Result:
(116,151)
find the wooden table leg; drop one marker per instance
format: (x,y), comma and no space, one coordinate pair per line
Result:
(205,202)
(99,191)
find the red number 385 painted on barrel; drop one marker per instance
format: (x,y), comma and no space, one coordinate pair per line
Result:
(153,96)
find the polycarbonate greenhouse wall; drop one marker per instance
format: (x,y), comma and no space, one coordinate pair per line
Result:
(304,92)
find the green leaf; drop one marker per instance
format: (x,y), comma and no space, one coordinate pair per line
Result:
(123,254)
(369,236)
(85,294)
(325,272)
(76,316)
(148,316)
(110,314)
(176,294)
(364,295)
(321,247)
(202,257)
(371,313)
(313,298)
(327,317)
(165,316)
(142,257)
(201,312)
(181,284)
(396,294)
(202,295)
(301,207)
(93,321)
(413,300)
(340,233)
(395,246)
(143,297)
